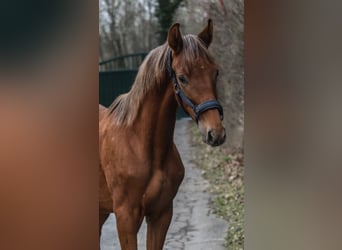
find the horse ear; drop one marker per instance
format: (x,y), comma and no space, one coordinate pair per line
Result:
(174,38)
(206,35)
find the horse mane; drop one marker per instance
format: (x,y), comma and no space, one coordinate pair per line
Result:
(152,73)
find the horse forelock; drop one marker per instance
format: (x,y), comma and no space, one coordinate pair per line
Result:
(193,50)
(152,73)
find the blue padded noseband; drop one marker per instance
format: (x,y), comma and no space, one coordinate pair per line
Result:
(182,98)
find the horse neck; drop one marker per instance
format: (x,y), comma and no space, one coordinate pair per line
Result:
(156,120)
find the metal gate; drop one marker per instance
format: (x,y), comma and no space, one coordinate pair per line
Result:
(117,75)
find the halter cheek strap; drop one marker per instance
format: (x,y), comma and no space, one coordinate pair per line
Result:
(182,98)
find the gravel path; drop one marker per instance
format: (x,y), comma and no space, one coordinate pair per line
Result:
(193,226)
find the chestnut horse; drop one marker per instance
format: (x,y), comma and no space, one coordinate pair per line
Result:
(140,167)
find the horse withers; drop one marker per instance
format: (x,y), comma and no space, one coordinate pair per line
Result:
(140,167)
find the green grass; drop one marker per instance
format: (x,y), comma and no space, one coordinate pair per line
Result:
(224,171)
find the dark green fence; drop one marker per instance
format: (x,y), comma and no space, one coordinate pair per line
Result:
(131,61)
(113,83)
(117,75)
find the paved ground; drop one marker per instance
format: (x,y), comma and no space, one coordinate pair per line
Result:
(193,226)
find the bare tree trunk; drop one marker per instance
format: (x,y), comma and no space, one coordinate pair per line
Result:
(150,16)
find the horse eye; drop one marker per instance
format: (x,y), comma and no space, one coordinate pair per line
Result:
(182,79)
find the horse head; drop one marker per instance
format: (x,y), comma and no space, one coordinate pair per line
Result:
(194,75)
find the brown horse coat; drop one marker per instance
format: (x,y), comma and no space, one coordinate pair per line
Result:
(140,168)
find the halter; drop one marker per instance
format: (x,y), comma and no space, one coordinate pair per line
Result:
(198,109)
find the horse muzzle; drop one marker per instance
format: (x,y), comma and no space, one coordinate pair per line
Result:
(215,137)
(212,136)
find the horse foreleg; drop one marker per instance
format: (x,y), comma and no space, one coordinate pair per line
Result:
(128,222)
(157,228)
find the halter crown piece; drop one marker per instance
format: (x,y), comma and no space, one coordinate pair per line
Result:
(198,109)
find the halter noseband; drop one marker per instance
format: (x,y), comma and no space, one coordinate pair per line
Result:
(200,108)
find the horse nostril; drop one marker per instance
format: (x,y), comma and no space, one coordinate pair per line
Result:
(214,138)
(210,136)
